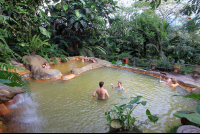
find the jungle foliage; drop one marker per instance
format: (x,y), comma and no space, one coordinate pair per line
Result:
(62,28)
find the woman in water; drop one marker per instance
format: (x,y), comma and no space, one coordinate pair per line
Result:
(119,87)
(174,83)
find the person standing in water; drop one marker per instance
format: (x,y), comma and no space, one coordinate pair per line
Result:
(101,92)
(119,87)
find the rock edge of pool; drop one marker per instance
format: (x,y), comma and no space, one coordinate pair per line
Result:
(9,93)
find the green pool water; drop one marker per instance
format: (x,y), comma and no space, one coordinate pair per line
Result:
(68,106)
(65,67)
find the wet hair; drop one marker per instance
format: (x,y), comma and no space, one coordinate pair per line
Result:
(174,80)
(120,82)
(101,83)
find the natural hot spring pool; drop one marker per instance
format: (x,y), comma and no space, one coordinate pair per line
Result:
(65,67)
(68,106)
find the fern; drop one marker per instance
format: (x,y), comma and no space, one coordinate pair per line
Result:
(12,79)
(36,43)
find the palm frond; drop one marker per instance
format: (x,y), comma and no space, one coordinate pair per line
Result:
(153,46)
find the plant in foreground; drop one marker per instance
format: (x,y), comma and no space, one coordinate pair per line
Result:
(192,116)
(123,113)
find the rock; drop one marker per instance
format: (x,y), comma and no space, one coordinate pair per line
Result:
(196,90)
(36,69)
(68,77)
(12,101)
(4,110)
(1,127)
(5,96)
(188,129)
(98,64)
(7,93)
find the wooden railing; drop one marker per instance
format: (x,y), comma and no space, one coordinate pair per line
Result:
(147,64)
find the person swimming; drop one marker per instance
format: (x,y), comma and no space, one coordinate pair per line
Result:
(85,59)
(168,81)
(119,87)
(174,83)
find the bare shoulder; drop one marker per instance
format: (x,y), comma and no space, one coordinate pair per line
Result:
(105,90)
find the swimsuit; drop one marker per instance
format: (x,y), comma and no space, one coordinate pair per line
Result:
(119,89)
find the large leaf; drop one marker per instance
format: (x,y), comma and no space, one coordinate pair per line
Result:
(118,108)
(83,2)
(135,100)
(198,108)
(108,118)
(77,25)
(45,32)
(151,117)
(65,7)
(142,102)
(195,96)
(77,13)
(128,106)
(193,117)
(83,23)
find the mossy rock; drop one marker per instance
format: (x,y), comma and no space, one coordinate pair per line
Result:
(116,124)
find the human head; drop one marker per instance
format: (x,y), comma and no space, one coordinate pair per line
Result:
(101,84)
(169,80)
(119,82)
(174,80)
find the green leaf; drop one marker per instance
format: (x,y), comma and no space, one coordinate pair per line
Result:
(55,61)
(83,23)
(151,117)
(122,105)
(108,118)
(115,3)
(77,14)
(118,108)
(132,120)
(184,112)
(65,7)
(44,32)
(193,117)
(83,2)
(77,25)
(195,96)
(121,98)
(3,81)
(128,106)
(142,102)
(114,62)
(135,100)
(198,108)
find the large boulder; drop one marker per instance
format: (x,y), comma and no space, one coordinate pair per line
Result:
(196,90)
(36,69)
(7,93)
(98,64)
(188,129)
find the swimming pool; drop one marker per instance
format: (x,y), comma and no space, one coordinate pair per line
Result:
(68,106)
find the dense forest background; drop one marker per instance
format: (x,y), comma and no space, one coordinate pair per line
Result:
(157,29)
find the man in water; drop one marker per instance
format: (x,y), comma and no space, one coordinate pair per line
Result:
(101,92)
